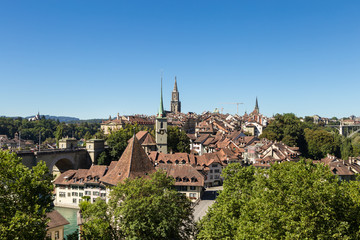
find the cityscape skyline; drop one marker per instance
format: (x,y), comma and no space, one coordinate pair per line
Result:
(91,60)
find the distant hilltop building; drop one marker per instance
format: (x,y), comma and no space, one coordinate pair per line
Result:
(35,118)
(175,104)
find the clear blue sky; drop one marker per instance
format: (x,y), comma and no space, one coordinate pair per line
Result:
(92,59)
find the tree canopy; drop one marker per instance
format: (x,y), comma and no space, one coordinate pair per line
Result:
(47,128)
(140,209)
(178,141)
(117,142)
(313,140)
(288,201)
(25,197)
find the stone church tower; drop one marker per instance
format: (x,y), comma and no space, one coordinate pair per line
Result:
(161,128)
(175,103)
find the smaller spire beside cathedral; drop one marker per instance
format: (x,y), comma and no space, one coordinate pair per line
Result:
(257,106)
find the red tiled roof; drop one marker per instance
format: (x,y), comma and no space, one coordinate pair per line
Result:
(133,163)
(56,219)
(184,174)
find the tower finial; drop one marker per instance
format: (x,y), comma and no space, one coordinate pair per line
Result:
(257,105)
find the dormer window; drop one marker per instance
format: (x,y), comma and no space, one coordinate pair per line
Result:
(177,162)
(183,161)
(194,179)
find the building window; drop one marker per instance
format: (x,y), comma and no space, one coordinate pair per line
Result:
(62,194)
(183,188)
(217,176)
(211,177)
(192,195)
(214,165)
(102,194)
(211,171)
(192,188)
(94,199)
(87,193)
(74,194)
(81,194)
(69,194)
(74,200)
(57,235)
(96,193)
(217,170)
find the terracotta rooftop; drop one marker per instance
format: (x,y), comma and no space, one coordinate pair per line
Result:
(133,163)
(56,219)
(184,174)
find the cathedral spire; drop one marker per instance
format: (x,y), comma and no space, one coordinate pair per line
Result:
(175,86)
(161,109)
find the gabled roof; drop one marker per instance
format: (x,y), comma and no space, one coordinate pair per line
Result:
(56,219)
(133,163)
(65,176)
(184,174)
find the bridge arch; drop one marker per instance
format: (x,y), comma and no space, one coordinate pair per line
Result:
(62,164)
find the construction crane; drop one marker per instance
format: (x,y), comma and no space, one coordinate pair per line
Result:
(237,106)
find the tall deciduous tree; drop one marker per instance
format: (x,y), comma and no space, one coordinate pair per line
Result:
(320,142)
(25,197)
(178,141)
(140,209)
(117,142)
(288,201)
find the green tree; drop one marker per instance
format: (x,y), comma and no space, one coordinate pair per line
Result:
(320,142)
(346,149)
(117,142)
(288,129)
(288,201)
(25,197)
(140,209)
(177,139)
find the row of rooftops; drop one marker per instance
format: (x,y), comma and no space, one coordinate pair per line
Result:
(133,163)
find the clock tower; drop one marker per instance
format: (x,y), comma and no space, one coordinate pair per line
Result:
(161,127)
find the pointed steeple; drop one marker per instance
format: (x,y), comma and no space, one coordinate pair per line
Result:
(257,105)
(175,86)
(161,112)
(133,163)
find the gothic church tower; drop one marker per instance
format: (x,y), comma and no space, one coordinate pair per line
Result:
(161,127)
(175,103)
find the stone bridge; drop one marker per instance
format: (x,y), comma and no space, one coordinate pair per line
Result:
(62,159)
(346,130)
